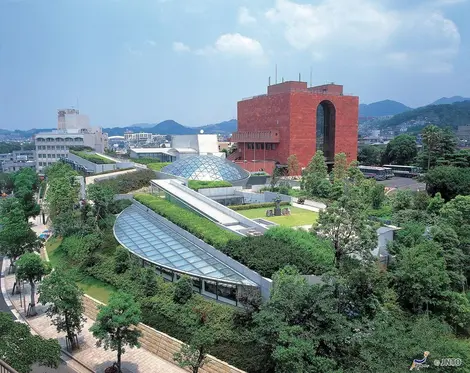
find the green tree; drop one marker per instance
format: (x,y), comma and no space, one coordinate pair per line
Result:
(370,155)
(102,197)
(402,200)
(340,168)
(315,177)
(21,350)
(293,165)
(448,181)
(317,166)
(421,276)
(401,150)
(25,184)
(346,224)
(64,297)
(31,268)
(276,175)
(183,290)
(377,195)
(6,183)
(16,235)
(435,204)
(121,260)
(431,137)
(206,331)
(115,324)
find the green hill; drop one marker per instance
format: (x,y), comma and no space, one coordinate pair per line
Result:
(453,115)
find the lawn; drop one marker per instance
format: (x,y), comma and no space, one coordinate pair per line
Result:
(297,218)
(91,286)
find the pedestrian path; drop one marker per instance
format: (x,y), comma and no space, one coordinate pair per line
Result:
(95,358)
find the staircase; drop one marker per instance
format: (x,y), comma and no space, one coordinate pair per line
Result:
(235,156)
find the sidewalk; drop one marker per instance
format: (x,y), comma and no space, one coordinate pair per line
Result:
(96,359)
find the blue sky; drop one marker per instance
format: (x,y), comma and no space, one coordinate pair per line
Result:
(134,61)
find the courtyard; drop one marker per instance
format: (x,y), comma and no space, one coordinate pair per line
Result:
(298,216)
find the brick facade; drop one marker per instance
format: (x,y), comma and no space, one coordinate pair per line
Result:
(291,108)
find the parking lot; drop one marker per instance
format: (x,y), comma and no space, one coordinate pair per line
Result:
(403,183)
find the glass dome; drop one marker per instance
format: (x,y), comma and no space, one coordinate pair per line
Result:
(206,168)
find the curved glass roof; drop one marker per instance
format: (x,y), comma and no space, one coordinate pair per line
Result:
(154,241)
(206,168)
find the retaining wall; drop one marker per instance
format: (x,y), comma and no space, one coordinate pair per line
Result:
(161,344)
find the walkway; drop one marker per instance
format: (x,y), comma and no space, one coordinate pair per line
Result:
(96,359)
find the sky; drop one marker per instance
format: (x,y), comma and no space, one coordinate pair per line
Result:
(144,61)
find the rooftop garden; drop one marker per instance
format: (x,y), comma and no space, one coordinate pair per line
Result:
(297,217)
(125,183)
(198,184)
(92,157)
(151,163)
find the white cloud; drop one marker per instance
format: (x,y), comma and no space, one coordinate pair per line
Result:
(236,45)
(180,47)
(151,43)
(244,16)
(421,37)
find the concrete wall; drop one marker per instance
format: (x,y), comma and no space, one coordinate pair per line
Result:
(161,344)
(96,168)
(264,283)
(220,192)
(264,197)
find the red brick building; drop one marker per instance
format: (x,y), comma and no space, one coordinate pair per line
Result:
(294,119)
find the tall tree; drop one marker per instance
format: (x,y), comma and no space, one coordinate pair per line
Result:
(21,350)
(340,169)
(370,155)
(31,268)
(64,297)
(115,324)
(26,183)
(293,165)
(401,150)
(346,224)
(102,197)
(16,235)
(314,178)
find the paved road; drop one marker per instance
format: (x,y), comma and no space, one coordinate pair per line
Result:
(403,183)
(36,369)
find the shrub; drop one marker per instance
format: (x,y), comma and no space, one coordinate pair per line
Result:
(126,183)
(117,206)
(250,206)
(202,228)
(198,184)
(183,290)
(281,246)
(449,181)
(121,260)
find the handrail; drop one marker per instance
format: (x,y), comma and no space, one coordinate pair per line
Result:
(5,368)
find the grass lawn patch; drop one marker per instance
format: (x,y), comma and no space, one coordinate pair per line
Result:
(297,218)
(197,184)
(92,157)
(91,286)
(157,166)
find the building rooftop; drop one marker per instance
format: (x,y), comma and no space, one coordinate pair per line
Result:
(156,242)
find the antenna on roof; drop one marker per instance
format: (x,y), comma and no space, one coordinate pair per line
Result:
(311,71)
(283,79)
(299,77)
(276,74)
(269,81)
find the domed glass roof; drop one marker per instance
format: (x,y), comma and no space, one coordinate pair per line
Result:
(206,168)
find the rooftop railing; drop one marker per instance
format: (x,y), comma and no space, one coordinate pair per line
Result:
(5,368)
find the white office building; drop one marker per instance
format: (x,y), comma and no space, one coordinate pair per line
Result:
(73,129)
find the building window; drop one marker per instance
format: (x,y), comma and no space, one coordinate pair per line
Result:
(259,146)
(40,164)
(53,155)
(273,146)
(268,146)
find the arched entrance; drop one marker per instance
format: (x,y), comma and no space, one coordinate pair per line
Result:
(326,123)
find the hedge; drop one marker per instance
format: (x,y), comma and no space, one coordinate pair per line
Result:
(250,206)
(126,183)
(92,157)
(281,246)
(198,184)
(201,227)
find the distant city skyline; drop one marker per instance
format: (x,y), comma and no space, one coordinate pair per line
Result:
(147,61)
